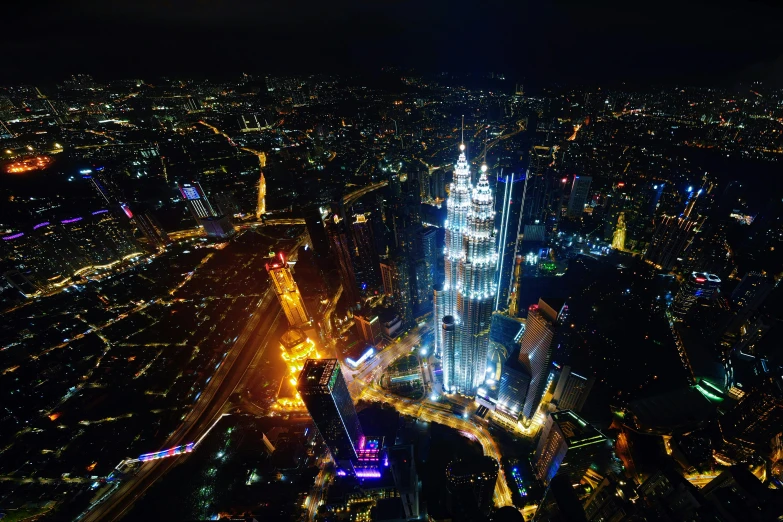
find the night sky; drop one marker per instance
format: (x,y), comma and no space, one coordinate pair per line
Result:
(584,41)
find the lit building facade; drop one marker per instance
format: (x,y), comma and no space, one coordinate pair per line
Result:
(699,286)
(323,390)
(288,293)
(470,285)
(572,390)
(568,444)
(537,345)
(580,191)
(618,237)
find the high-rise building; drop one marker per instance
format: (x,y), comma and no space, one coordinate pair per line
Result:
(325,393)
(314,221)
(698,287)
(438,184)
(572,390)
(366,259)
(470,286)
(471,484)
(509,229)
(261,197)
(340,248)
(580,191)
(426,267)
(406,480)
(538,342)
(514,383)
(369,326)
(197,200)
(288,293)
(397,284)
(673,235)
(148,226)
(568,445)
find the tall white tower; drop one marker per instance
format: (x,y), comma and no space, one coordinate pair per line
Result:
(470,286)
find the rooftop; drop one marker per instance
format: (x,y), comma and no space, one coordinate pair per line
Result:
(317,372)
(575,429)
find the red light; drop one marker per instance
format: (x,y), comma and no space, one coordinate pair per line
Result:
(700,279)
(564,180)
(621,184)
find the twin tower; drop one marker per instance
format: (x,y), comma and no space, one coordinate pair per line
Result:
(464,304)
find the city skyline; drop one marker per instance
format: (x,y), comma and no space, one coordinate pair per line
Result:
(278,295)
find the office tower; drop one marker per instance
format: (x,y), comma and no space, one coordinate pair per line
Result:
(572,390)
(673,235)
(365,254)
(568,445)
(438,184)
(618,237)
(426,267)
(340,248)
(319,241)
(397,284)
(505,333)
(369,327)
(197,201)
(406,480)
(325,394)
(699,286)
(755,420)
(542,189)
(751,291)
(471,484)
(470,286)
(514,383)
(538,342)
(580,191)
(148,226)
(510,213)
(288,293)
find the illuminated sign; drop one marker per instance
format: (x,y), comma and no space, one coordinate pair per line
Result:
(190,192)
(366,355)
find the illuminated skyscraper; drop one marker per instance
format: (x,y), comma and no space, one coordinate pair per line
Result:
(469,289)
(288,293)
(323,390)
(510,208)
(538,342)
(699,286)
(568,445)
(580,191)
(197,200)
(673,235)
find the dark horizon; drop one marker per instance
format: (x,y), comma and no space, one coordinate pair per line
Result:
(604,43)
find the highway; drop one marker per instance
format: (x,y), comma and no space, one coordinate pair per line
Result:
(253,339)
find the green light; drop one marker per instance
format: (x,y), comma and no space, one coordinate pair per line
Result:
(709,395)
